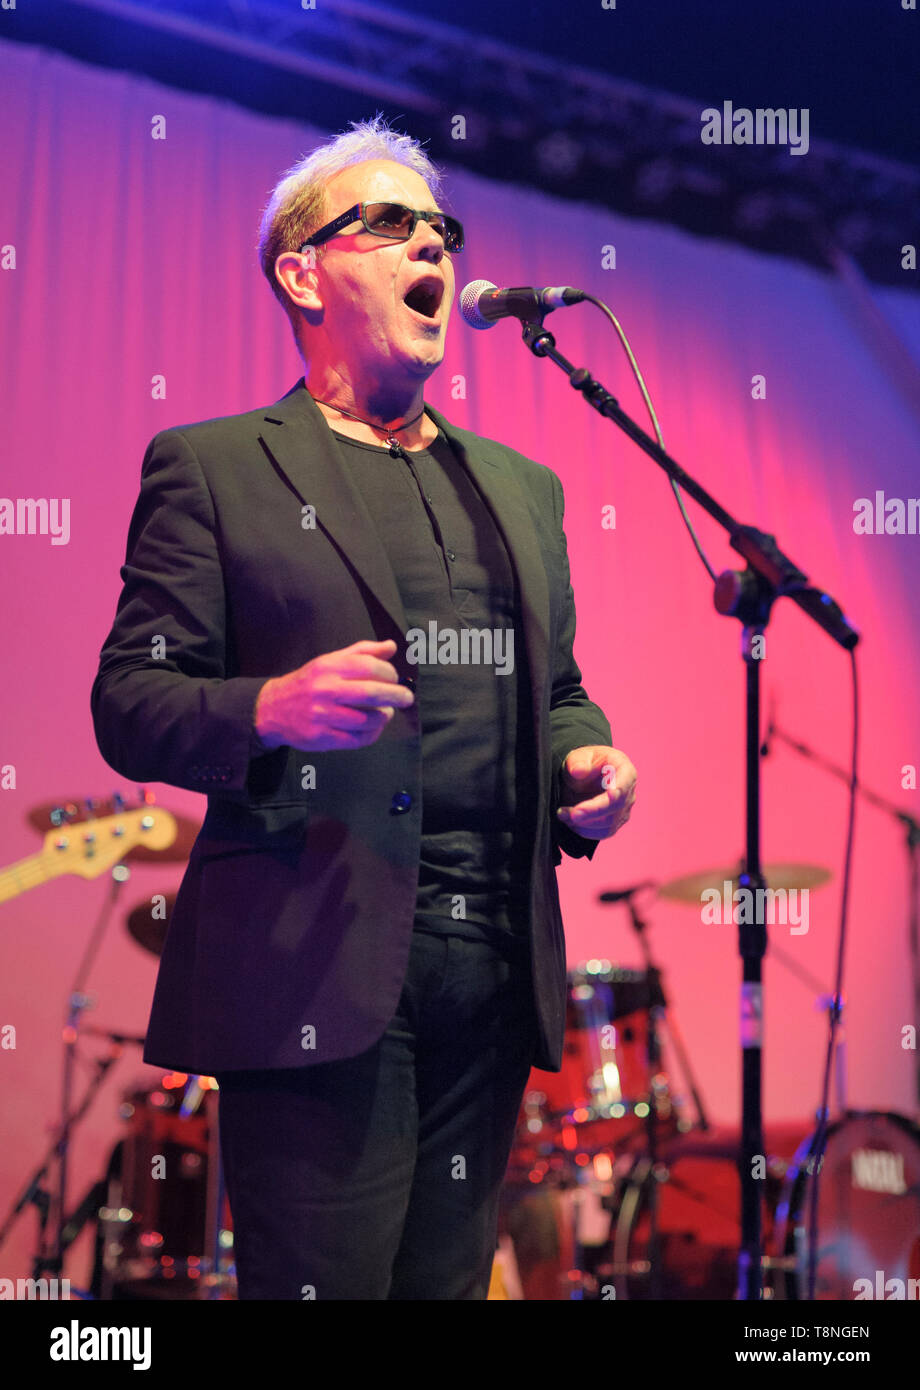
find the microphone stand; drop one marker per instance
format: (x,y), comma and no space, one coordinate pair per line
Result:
(747,595)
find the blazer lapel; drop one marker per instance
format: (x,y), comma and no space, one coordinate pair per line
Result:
(299,443)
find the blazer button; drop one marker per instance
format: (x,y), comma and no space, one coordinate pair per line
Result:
(400,803)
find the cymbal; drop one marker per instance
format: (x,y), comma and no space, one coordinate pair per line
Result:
(691,887)
(40,817)
(149,931)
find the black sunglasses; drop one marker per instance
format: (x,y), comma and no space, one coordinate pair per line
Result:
(393,221)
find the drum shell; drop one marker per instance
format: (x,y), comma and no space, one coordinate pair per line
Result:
(699,1193)
(153,1224)
(609,1072)
(868,1211)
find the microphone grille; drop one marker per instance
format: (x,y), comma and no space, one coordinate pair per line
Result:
(469,303)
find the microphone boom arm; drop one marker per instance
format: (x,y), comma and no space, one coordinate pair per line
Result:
(770,574)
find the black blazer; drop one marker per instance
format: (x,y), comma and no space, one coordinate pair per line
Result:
(296,909)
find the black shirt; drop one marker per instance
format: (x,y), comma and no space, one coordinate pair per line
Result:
(454,574)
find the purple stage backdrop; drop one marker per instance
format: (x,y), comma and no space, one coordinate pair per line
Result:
(134,266)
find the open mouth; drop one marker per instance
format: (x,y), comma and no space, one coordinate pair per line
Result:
(425,298)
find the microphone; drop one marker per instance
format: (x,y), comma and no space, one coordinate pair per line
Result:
(618,895)
(482,304)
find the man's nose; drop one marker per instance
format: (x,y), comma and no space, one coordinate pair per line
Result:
(425,243)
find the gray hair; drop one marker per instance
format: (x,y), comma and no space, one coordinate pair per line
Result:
(297,205)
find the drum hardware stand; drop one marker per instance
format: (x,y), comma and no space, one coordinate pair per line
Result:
(221,1278)
(747,595)
(827,1003)
(656,1008)
(77,1003)
(576,1288)
(912,844)
(49,1259)
(659,1012)
(830,1005)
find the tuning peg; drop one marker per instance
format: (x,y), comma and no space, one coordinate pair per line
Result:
(118,802)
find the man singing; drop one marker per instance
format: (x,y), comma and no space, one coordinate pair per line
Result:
(351,625)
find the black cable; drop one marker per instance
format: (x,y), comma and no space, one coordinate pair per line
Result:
(599,304)
(816,1149)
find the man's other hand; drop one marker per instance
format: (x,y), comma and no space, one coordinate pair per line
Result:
(598,789)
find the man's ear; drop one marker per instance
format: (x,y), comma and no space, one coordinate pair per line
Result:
(298,277)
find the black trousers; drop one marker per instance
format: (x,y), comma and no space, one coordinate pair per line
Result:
(378,1177)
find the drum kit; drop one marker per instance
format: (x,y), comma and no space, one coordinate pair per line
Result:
(162,1222)
(617,1185)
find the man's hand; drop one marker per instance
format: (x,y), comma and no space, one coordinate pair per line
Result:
(598,788)
(342,699)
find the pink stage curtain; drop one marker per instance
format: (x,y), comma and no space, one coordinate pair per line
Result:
(134,260)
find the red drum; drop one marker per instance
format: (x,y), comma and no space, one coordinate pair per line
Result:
(600,1099)
(590,1237)
(698,1219)
(152,1237)
(868,1227)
